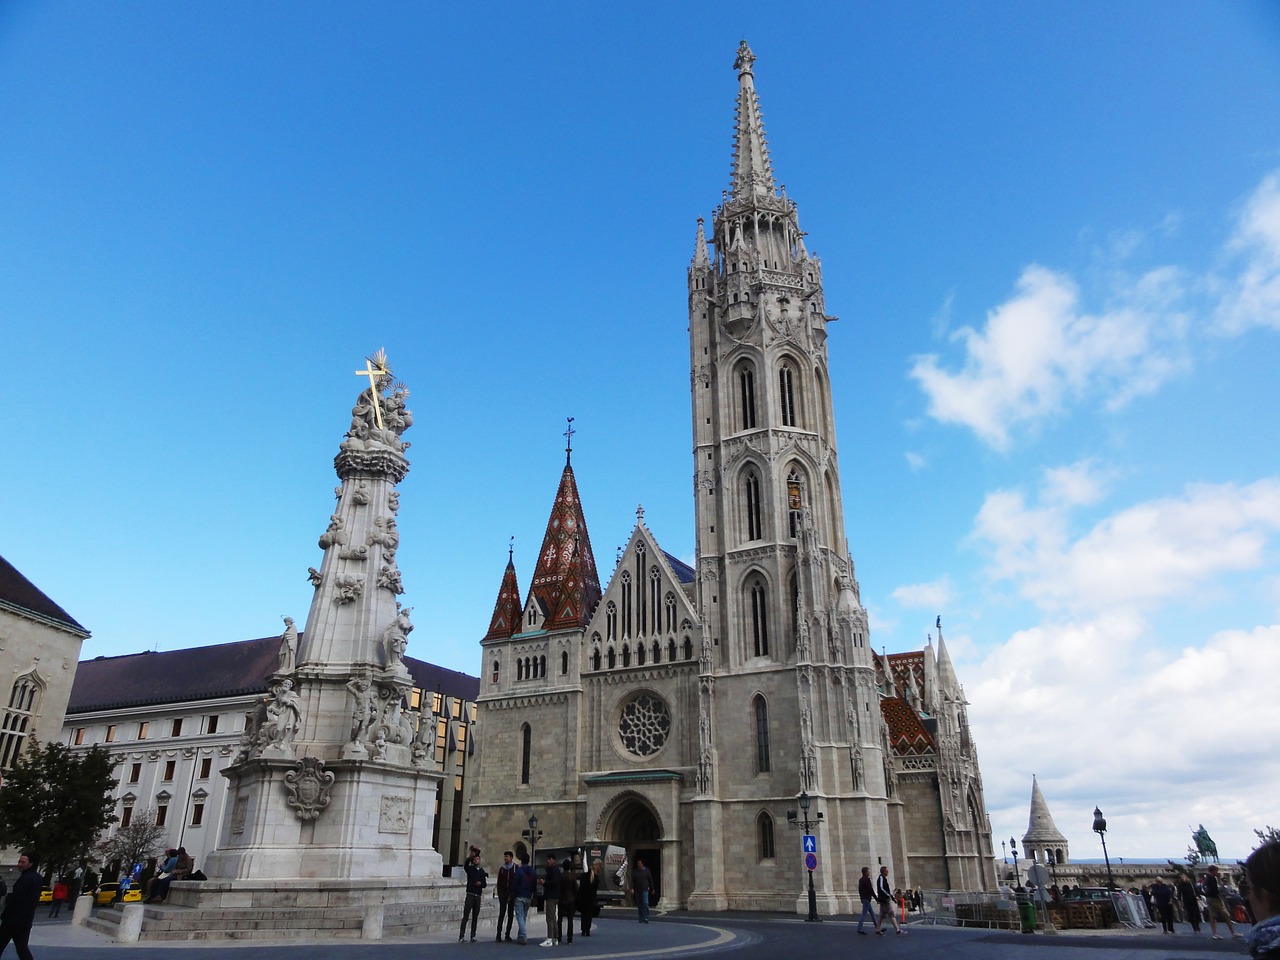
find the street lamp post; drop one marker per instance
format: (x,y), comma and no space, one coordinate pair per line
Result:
(1017,877)
(532,834)
(807,825)
(1100,828)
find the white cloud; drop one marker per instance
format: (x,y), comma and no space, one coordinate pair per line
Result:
(1134,558)
(930,596)
(1253,297)
(915,461)
(1094,701)
(1040,349)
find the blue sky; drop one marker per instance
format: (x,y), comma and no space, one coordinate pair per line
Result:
(1051,231)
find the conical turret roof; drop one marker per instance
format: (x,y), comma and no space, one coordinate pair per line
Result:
(565,582)
(1041,830)
(701,256)
(506,612)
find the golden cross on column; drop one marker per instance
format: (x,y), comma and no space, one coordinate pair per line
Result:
(374,373)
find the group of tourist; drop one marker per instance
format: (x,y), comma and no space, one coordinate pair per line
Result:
(564,894)
(883,894)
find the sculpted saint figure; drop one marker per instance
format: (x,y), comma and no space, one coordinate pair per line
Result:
(365,712)
(288,646)
(284,715)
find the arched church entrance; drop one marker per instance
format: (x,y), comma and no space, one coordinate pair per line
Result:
(631,822)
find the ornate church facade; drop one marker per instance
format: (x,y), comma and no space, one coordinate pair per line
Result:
(682,712)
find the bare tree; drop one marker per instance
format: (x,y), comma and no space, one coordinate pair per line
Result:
(137,842)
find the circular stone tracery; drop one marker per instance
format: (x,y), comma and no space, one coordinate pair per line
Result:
(645,724)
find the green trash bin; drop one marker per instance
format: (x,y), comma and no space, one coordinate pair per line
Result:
(1026,913)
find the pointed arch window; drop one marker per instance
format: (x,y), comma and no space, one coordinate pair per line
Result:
(671,650)
(542,666)
(752,490)
(626,655)
(496,668)
(526,751)
(19,715)
(564,662)
(657,652)
(612,658)
(519,669)
(626,604)
(611,621)
(787,395)
(764,832)
(747,397)
(759,619)
(688,649)
(670,604)
(761,711)
(655,597)
(795,486)
(639,654)
(595,660)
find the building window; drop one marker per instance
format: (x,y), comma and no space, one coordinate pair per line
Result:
(786,396)
(595,660)
(197,813)
(542,666)
(613,658)
(759,620)
(611,621)
(111,733)
(657,651)
(671,650)
(496,670)
(206,768)
(626,656)
(670,604)
(79,736)
(688,649)
(526,750)
(765,830)
(747,397)
(135,772)
(752,484)
(24,702)
(763,764)
(126,817)
(176,730)
(212,726)
(564,663)
(169,767)
(143,729)
(162,814)
(639,654)
(626,605)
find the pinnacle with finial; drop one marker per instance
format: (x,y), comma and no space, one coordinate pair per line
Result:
(568,435)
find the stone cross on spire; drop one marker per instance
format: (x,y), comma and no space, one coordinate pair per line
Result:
(568,435)
(376,369)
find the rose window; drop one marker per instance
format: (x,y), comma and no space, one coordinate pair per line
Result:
(645,724)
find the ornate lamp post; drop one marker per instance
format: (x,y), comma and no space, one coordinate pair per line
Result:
(1017,877)
(807,825)
(1004,852)
(533,833)
(1100,828)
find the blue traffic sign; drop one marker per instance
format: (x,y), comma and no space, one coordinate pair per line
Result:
(810,843)
(811,861)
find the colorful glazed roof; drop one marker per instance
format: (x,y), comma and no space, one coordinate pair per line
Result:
(565,582)
(907,733)
(506,612)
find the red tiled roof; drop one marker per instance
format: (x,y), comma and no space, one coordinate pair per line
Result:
(907,733)
(506,612)
(565,582)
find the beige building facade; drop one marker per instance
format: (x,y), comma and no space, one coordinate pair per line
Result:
(687,712)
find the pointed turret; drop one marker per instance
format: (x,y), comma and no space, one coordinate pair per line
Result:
(947,679)
(701,257)
(752,171)
(506,612)
(1042,833)
(930,696)
(565,584)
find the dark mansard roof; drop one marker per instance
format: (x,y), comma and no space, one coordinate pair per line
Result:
(20,594)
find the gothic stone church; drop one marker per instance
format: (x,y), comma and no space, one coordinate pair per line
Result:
(680,712)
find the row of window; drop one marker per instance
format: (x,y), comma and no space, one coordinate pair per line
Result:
(788,392)
(162,813)
(653,653)
(170,769)
(144,730)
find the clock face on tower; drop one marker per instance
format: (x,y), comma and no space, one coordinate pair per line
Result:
(644,724)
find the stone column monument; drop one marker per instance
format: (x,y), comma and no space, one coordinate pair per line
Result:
(333,792)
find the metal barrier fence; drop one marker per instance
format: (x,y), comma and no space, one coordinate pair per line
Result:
(956,909)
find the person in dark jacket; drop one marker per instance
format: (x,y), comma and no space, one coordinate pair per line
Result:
(568,901)
(524,883)
(20,908)
(641,884)
(867,895)
(1190,901)
(1162,896)
(1263,871)
(477,880)
(506,903)
(589,896)
(551,901)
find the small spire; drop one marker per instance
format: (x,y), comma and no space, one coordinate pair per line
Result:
(701,258)
(511,550)
(568,435)
(639,513)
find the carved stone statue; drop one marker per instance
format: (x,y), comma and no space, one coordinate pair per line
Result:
(288,646)
(284,717)
(335,534)
(422,740)
(365,712)
(349,587)
(314,576)
(380,748)
(395,638)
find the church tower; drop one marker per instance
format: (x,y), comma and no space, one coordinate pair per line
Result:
(789,698)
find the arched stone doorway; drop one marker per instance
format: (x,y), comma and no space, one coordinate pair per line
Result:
(630,821)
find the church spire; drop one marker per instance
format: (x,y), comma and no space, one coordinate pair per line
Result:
(947,678)
(752,171)
(701,256)
(1042,833)
(565,584)
(506,611)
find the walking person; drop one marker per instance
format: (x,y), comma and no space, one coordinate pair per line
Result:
(867,894)
(568,900)
(884,894)
(59,897)
(506,906)
(641,884)
(1217,907)
(551,901)
(589,896)
(1190,901)
(477,880)
(1162,897)
(524,882)
(20,908)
